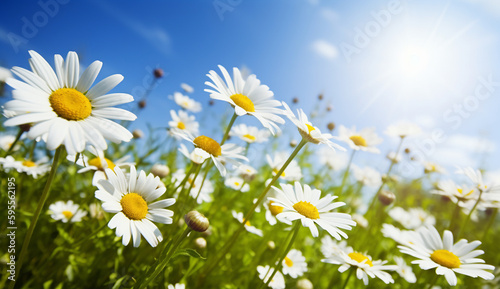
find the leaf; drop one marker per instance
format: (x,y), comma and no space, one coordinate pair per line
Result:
(189,253)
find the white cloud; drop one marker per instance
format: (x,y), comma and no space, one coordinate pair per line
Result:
(329,14)
(463,151)
(325,49)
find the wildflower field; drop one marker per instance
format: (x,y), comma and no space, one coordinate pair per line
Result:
(272,191)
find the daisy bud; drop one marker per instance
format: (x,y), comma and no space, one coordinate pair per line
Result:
(329,108)
(137,133)
(320,96)
(158,73)
(211,102)
(304,284)
(295,100)
(200,242)
(142,104)
(407,150)
(330,126)
(386,197)
(159,170)
(293,143)
(196,221)
(271,245)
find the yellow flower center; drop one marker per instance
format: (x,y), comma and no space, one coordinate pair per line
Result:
(237,184)
(307,209)
(446,258)
(209,145)
(310,128)
(29,164)
(247,223)
(70,104)
(288,262)
(250,137)
(358,257)
(276,171)
(181,125)
(97,162)
(275,210)
(461,192)
(134,206)
(67,214)
(243,101)
(358,140)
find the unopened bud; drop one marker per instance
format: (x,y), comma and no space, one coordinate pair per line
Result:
(271,245)
(320,96)
(142,104)
(211,102)
(158,73)
(293,143)
(330,126)
(304,284)
(159,170)
(196,221)
(137,133)
(329,108)
(295,100)
(386,197)
(407,150)
(200,243)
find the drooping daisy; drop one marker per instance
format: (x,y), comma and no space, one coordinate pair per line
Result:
(205,192)
(225,153)
(367,176)
(292,172)
(66,212)
(246,96)
(447,257)
(305,205)
(186,102)
(413,218)
(403,129)
(99,163)
(183,121)
(457,194)
(308,131)
(187,88)
(250,134)
(404,270)
(239,216)
(363,263)
(364,140)
(34,169)
(130,199)
(334,160)
(278,281)
(294,264)
(237,183)
(62,106)
(197,156)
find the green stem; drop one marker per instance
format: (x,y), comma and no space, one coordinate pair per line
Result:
(490,222)
(202,183)
(277,266)
(228,129)
(152,274)
(351,270)
(18,136)
(34,219)
(186,177)
(434,279)
(32,151)
(469,215)
(454,217)
(346,173)
(227,246)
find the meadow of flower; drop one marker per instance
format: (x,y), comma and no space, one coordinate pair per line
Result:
(278,203)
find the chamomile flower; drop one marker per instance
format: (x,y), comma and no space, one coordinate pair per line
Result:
(402,237)
(186,102)
(225,153)
(197,156)
(63,108)
(181,120)
(177,286)
(330,247)
(131,198)
(446,257)
(272,210)
(250,134)
(247,96)
(278,281)
(239,216)
(34,169)
(413,218)
(476,177)
(364,140)
(457,194)
(9,163)
(246,172)
(363,264)
(187,88)
(367,176)
(304,204)
(291,173)
(6,142)
(334,160)
(432,167)
(403,129)
(394,157)
(294,264)
(308,131)
(205,192)
(237,183)
(404,270)
(66,212)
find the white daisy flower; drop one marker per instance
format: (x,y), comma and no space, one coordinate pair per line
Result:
(457,194)
(363,263)
(404,270)
(237,183)
(246,96)
(250,134)
(402,237)
(63,108)
(394,157)
(278,281)
(330,247)
(403,129)
(305,205)
(187,88)
(294,264)
(177,286)
(272,210)
(413,218)
(197,156)
(292,172)
(360,220)
(96,211)
(4,74)
(6,142)
(367,176)
(248,226)
(8,113)
(246,172)
(99,163)
(186,102)
(34,169)
(447,257)
(130,199)
(308,131)
(8,163)
(183,121)
(219,154)
(205,192)
(364,140)
(477,179)
(332,159)
(66,212)
(432,167)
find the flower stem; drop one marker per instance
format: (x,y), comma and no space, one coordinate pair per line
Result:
(490,222)
(277,266)
(346,173)
(18,136)
(34,219)
(228,129)
(469,215)
(227,246)
(454,217)
(351,270)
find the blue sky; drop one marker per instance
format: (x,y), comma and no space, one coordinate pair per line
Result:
(376,63)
